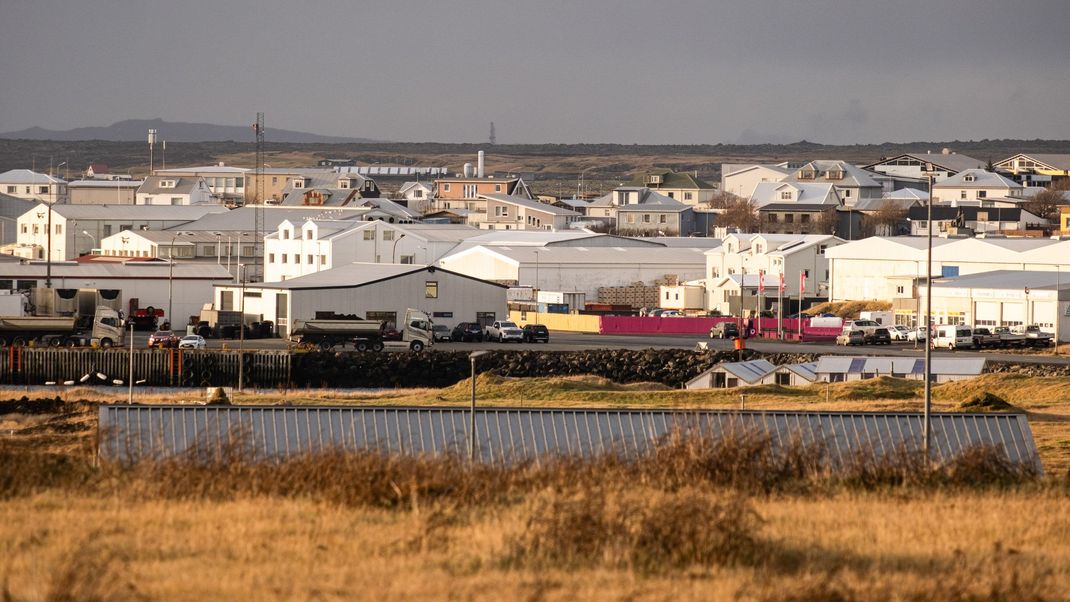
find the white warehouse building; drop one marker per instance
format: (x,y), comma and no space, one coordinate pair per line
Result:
(374,291)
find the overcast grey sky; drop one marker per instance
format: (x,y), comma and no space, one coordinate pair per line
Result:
(668,71)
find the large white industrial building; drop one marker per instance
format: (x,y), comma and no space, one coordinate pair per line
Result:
(375,291)
(1003,298)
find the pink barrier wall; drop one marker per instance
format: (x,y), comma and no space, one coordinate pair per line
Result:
(702,326)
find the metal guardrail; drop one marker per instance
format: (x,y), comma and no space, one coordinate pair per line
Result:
(132,432)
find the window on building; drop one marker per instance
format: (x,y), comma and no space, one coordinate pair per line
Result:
(785,195)
(286,234)
(176,200)
(388,235)
(11,190)
(631,218)
(241,182)
(646,218)
(771,218)
(789,218)
(36,229)
(311,259)
(24,228)
(369,235)
(323,260)
(899,289)
(804,218)
(299,183)
(446,187)
(284,257)
(417,194)
(497,188)
(308,234)
(42,189)
(687,196)
(408,259)
(271,258)
(982,194)
(274,180)
(663,218)
(25,285)
(431,289)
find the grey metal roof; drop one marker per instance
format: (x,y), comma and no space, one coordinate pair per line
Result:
(898,366)
(244,218)
(981,179)
(950,161)
(806,370)
(528,203)
(750,371)
(187,213)
(1008,280)
(131,432)
(25,176)
(183,185)
(106,184)
(120,270)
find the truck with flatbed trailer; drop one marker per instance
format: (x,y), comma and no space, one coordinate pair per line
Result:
(365,335)
(65,318)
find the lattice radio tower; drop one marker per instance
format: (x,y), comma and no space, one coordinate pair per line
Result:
(258,200)
(493,138)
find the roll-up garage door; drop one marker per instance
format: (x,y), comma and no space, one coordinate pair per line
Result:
(987,313)
(1013,313)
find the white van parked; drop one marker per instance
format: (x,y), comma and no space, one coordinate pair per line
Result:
(953,336)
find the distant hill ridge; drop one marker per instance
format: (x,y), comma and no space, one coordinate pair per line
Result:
(175,131)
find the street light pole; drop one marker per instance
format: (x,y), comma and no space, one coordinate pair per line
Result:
(927,418)
(241,331)
(472,411)
(171,282)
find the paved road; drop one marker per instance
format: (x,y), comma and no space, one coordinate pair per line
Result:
(566,341)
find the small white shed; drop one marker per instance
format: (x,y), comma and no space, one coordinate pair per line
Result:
(728,375)
(792,374)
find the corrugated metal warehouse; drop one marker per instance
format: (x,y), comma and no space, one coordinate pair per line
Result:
(839,368)
(375,291)
(131,432)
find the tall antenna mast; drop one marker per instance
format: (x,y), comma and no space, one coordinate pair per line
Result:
(493,138)
(258,198)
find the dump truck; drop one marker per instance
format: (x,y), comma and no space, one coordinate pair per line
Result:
(365,335)
(67,318)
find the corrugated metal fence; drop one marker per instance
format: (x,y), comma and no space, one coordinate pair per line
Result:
(157,367)
(129,432)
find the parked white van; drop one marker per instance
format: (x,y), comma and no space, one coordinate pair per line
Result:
(953,336)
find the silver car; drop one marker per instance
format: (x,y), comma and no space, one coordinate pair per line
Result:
(192,341)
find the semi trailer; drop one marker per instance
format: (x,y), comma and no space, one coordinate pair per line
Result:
(365,335)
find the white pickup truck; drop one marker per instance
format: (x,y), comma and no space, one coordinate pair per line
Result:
(503,331)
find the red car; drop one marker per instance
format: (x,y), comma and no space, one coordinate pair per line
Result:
(163,338)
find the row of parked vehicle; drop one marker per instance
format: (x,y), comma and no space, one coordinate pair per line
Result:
(502,331)
(949,336)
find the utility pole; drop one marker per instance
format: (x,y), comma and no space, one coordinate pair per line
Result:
(927,416)
(258,199)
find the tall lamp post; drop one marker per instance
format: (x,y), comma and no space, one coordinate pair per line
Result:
(394,250)
(927,417)
(241,330)
(171,282)
(472,411)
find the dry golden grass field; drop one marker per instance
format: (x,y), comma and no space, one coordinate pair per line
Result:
(726,521)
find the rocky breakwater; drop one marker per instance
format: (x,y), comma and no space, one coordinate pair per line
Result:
(672,367)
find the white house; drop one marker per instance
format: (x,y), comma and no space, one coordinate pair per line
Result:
(803,193)
(225,182)
(173,190)
(78,229)
(373,291)
(299,248)
(799,257)
(972,186)
(913,165)
(33,186)
(417,195)
(851,182)
(741,179)
(511,212)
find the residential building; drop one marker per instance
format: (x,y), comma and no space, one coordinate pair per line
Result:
(733,270)
(642,211)
(78,229)
(226,250)
(372,291)
(173,190)
(509,212)
(298,248)
(11,208)
(416,196)
(969,221)
(974,187)
(681,186)
(32,186)
(226,183)
(795,218)
(466,193)
(103,192)
(852,183)
(741,179)
(327,189)
(803,193)
(1036,169)
(912,166)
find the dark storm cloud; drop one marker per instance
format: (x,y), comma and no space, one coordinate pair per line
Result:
(600,70)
